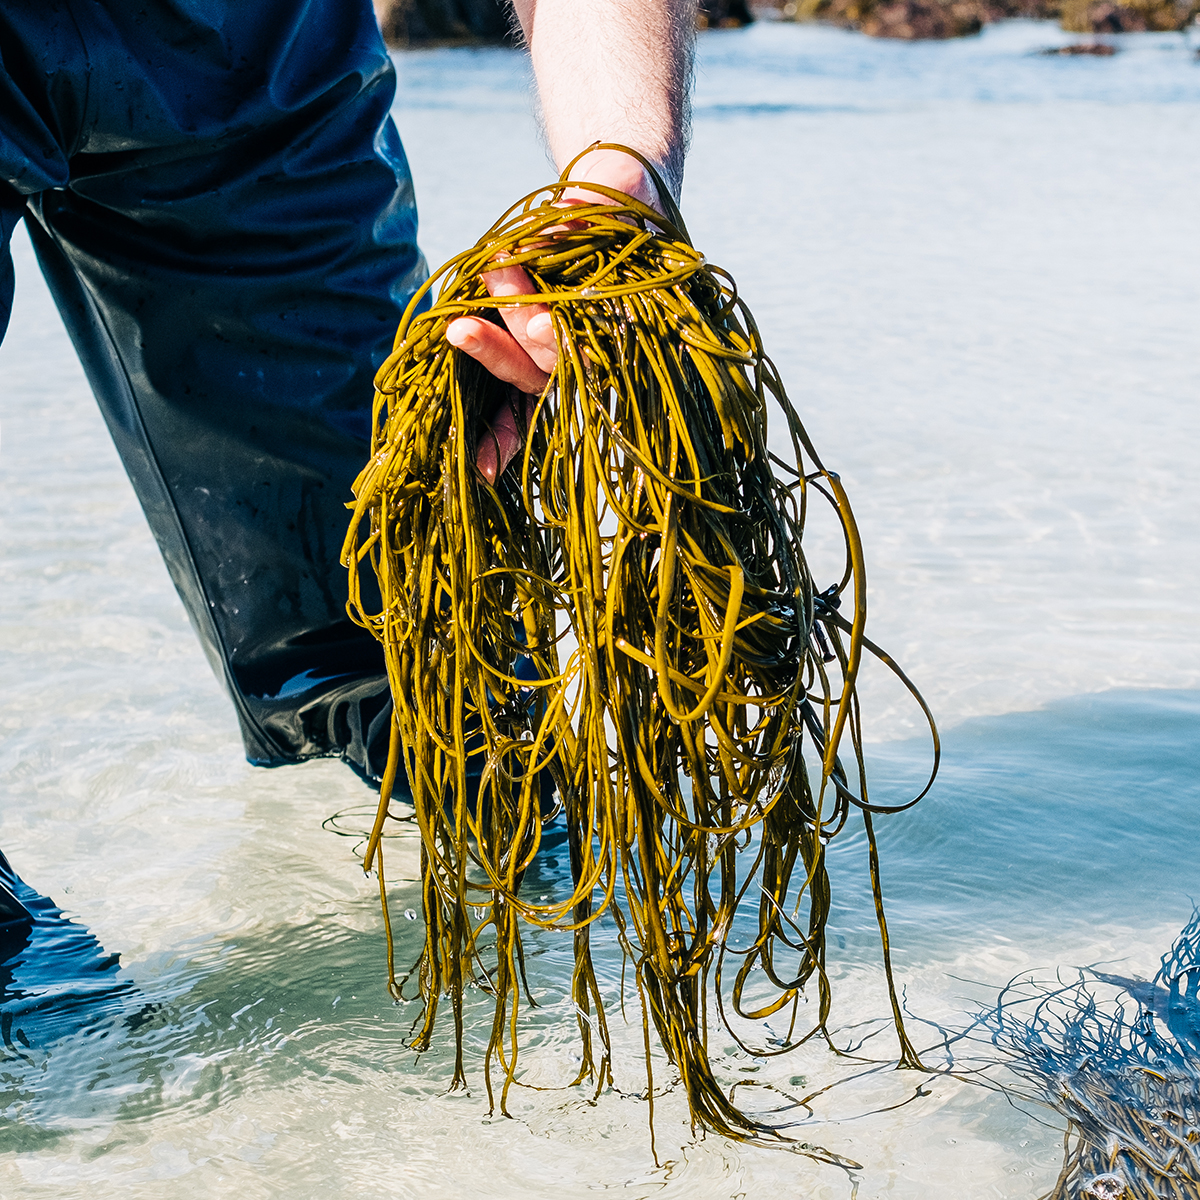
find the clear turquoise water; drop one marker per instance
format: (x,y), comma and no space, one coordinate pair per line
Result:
(978,271)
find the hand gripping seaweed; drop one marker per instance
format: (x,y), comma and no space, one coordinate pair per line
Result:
(628,611)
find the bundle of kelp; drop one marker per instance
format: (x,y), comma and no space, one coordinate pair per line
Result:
(1124,1071)
(627,611)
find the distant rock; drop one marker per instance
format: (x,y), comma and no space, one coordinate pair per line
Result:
(913,19)
(432,22)
(909,20)
(723,14)
(426,22)
(466,22)
(1129,16)
(919,19)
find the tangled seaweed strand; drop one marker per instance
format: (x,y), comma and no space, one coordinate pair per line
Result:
(628,610)
(1126,1075)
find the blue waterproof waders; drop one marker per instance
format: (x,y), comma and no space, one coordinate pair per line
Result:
(223,211)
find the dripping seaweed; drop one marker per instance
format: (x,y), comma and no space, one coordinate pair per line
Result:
(628,611)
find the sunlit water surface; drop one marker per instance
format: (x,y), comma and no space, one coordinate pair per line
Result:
(978,271)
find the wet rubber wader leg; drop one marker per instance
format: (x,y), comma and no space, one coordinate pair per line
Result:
(56,980)
(12,208)
(231,257)
(14,916)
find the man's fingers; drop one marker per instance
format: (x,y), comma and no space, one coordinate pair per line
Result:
(540,329)
(498,351)
(525,352)
(530,324)
(500,443)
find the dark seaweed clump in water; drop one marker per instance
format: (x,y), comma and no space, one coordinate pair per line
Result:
(1120,1059)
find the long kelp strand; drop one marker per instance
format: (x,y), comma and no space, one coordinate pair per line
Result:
(629,614)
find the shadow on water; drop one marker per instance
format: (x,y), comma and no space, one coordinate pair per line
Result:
(1074,815)
(83,1043)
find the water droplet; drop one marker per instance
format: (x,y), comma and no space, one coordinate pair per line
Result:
(409,914)
(1105,1187)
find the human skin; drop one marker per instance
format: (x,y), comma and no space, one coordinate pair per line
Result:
(607,71)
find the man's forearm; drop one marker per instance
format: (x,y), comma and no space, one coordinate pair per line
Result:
(613,71)
(607,71)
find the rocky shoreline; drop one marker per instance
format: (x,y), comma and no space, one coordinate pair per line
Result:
(458,22)
(912,19)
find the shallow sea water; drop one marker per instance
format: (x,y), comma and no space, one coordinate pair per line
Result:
(978,270)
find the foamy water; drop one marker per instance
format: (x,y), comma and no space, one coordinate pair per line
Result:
(978,271)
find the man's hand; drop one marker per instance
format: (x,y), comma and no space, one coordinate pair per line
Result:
(607,71)
(524,352)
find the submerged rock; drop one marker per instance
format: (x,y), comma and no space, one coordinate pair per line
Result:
(1099,49)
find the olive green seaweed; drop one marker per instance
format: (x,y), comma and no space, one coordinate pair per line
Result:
(641,560)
